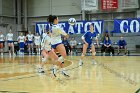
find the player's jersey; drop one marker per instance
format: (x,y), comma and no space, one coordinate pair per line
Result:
(30,37)
(9,37)
(122,43)
(89,36)
(21,38)
(46,43)
(107,42)
(56,32)
(1,37)
(73,42)
(37,39)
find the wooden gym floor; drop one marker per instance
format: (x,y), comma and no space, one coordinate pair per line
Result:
(117,74)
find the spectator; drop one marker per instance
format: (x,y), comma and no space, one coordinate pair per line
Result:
(107,46)
(122,45)
(73,43)
(1,43)
(66,44)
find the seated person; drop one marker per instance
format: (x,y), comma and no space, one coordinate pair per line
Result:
(73,43)
(122,45)
(66,45)
(107,46)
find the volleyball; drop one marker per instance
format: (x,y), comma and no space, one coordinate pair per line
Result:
(72,21)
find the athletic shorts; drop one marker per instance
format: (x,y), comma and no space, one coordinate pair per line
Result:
(21,44)
(1,41)
(30,42)
(89,45)
(54,46)
(10,41)
(37,43)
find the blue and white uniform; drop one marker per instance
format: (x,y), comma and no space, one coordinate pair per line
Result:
(9,37)
(37,40)
(1,38)
(30,38)
(56,32)
(46,43)
(21,40)
(43,35)
(88,36)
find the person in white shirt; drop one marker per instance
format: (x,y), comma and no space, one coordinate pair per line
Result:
(44,33)
(56,41)
(37,41)
(1,43)
(30,37)
(9,38)
(73,43)
(21,40)
(48,52)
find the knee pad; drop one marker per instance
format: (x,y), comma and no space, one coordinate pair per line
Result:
(61,59)
(58,54)
(94,53)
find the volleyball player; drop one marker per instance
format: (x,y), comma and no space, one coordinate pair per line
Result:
(37,40)
(87,39)
(21,40)
(30,37)
(48,52)
(1,43)
(9,38)
(56,42)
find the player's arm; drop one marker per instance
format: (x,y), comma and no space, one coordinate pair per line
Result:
(25,39)
(3,37)
(62,32)
(18,39)
(6,37)
(83,38)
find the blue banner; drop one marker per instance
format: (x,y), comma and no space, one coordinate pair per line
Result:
(127,25)
(80,27)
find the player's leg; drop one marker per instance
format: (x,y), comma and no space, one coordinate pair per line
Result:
(9,48)
(13,49)
(83,54)
(44,60)
(93,54)
(118,50)
(125,50)
(29,47)
(1,48)
(32,48)
(37,49)
(61,49)
(21,45)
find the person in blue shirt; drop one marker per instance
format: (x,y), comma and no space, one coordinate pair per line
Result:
(107,46)
(122,45)
(66,45)
(87,39)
